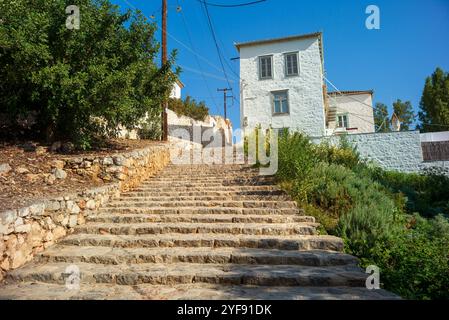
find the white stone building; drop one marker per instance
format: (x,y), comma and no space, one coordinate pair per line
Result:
(350,112)
(282,85)
(176,92)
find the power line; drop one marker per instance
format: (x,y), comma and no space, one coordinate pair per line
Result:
(218,47)
(227,63)
(188,48)
(215,41)
(210,75)
(178,41)
(220,55)
(196,58)
(350,97)
(354,114)
(153,14)
(357,116)
(231,5)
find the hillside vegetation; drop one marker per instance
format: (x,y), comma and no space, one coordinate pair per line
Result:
(78,85)
(393,220)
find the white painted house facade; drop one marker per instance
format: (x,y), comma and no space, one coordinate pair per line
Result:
(282,85)
(350,112)
(176,91)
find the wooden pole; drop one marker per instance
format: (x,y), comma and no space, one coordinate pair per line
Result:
(164,61)
(225,91)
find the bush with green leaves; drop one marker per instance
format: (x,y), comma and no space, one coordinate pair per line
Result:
(424,193)
(150,127)
(373,211)
(189,108)
(256,144)
(83,83)
(415,263)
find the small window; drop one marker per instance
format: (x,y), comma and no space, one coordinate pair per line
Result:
(342,121)
(291,64)
(280,102)
(266,67)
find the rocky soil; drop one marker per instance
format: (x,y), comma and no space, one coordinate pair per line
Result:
(30,171)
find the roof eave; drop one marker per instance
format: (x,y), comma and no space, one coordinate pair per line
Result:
(276,40)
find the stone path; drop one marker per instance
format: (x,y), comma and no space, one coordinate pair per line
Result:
(196,232)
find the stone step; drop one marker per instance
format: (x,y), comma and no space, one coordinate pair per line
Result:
(209,240)
(139,196)
(187,175)
(204,210)
(204,188)
(151,184)
(117,256)
(208,178)
(211,183)
(209,169)
(194,291)
(207,193)
(201,176)
(207,175)
(207,204)
(196,231)
(249,177)
(189,273)
(227,228)
(220,218)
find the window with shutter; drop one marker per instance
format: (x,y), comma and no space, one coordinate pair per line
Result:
(291,64)
(265,67)
(342,121)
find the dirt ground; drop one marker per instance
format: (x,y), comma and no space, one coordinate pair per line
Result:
(27,178)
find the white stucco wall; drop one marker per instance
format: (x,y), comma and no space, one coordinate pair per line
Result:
(133,134)
(198,130)
(305,91)
(435,136)
(176,91)
(358,107)
(399,151)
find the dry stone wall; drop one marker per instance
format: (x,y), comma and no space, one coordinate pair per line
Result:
(29,230)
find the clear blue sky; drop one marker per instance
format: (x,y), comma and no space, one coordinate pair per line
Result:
(393,61)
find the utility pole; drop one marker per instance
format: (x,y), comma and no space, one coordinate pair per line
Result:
(225,96)
(164,61)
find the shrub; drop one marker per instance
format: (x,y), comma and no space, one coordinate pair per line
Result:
(150,128)
(255,139)
(81,83)
(189,108)
(371,209)
(415,263)
(343,153)
(426,194)
(295,155)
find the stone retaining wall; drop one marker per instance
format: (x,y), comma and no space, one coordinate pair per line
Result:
(29,230)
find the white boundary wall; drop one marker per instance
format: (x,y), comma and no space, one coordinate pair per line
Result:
(400,151)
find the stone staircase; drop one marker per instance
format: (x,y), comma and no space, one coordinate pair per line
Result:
(196,232)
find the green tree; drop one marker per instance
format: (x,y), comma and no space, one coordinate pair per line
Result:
(189,107)
(82,84)
(404,111)
(434,105)
(381,118)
